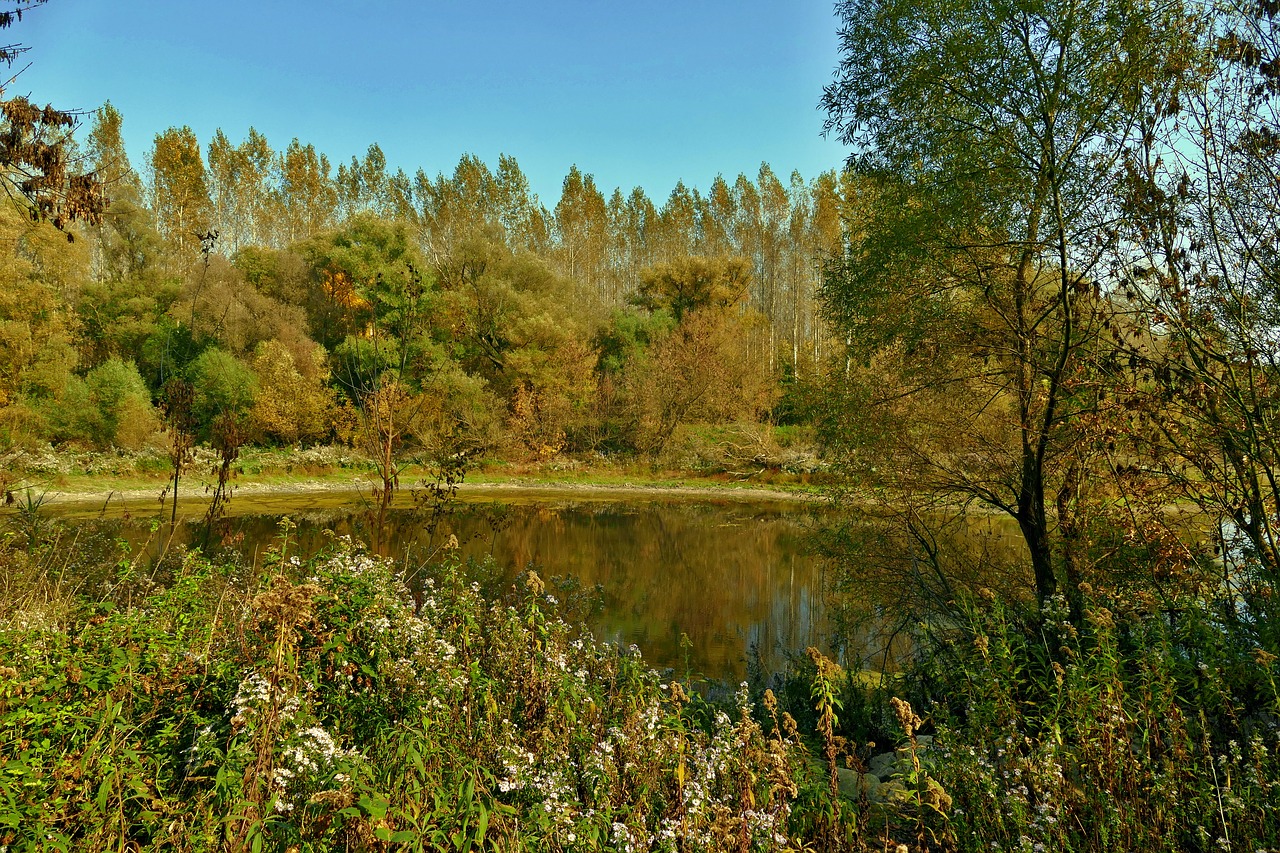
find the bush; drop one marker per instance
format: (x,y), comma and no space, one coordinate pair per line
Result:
(290,407)
(221,384)
(117,410)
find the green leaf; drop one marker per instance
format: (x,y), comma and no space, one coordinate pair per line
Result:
(375,806)
(104,790)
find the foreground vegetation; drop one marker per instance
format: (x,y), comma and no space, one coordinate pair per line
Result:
(319,704)
(337,703)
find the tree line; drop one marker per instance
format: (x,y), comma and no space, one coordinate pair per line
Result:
(233,286)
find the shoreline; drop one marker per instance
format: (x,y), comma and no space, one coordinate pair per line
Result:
(78,499)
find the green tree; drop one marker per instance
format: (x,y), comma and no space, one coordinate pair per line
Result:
(523,220)
(221,384)
(991,133)
(345,264)
(506,317)
(112,407)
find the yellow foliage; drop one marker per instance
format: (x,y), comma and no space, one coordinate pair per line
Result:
(341,290)
(290,407)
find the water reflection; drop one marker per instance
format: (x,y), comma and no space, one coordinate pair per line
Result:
(732,576)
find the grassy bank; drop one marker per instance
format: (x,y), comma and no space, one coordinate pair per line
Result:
(101,478)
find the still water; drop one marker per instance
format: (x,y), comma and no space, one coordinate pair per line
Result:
(736,577)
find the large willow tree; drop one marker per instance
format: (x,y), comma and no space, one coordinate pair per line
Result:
(988,139)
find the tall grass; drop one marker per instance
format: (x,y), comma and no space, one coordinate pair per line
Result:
(311,705)
(1142,728)
(314,705)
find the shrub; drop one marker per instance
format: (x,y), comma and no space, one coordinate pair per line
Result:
(290,407)
(221,384)
(119,410)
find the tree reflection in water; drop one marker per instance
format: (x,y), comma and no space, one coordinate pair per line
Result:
(733,576)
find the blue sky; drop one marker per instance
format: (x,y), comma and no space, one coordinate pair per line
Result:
(635,93)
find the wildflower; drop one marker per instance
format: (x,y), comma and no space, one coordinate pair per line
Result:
(906,717)
(1101,618)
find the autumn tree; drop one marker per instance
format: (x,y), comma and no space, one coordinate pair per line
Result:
(36,171)
(364,186)
(700,370)
(343,263)
(294,404)
(110,161)
(692,284)
(239,189)
(303,194)
(719,209)
(676,231)
(1201,205)
(582,223)
(37,352)
(511,326)
(452,208)
(988,134)
(130,289)
(632,222)
(179,190)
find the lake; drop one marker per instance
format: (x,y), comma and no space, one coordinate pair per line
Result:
(735,576)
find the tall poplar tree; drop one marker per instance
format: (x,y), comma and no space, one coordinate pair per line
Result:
(238,189)
(582,224)
(304,197)
(179,189)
